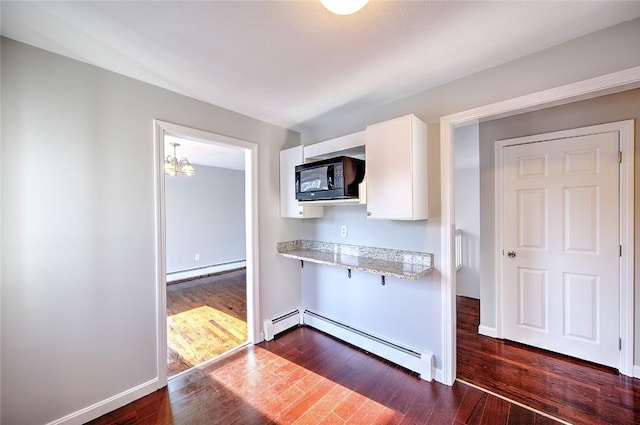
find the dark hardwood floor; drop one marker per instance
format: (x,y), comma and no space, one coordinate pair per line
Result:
(307,377)
(575,391)
(205,318)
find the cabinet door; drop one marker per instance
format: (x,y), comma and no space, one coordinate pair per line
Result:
(289,158)
(389,169)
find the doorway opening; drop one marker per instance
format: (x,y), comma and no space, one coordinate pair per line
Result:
(205,254)
(607,84)
(557,281)
(468,229)
(207,239)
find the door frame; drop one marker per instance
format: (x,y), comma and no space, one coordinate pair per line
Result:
(589,88)
(162,128)
(625,130)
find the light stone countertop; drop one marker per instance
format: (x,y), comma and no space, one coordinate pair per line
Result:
(409,265)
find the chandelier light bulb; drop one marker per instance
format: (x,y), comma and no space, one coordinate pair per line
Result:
(344,7)
(169,169)
(188,170)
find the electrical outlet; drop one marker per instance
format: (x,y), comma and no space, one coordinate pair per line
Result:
(197,257)
(343,231)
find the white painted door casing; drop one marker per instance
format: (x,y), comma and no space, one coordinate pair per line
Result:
(579,90)
(252,235)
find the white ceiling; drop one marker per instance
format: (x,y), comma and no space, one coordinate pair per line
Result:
(286,62)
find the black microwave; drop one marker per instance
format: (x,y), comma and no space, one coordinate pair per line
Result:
(335,178)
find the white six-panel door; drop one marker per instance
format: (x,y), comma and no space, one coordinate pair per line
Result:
(561,246)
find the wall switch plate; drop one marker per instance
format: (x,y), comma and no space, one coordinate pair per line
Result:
(197,257)
(343,231)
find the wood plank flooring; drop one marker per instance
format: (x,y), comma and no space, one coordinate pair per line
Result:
(307,377)
(205,318)
(573,390)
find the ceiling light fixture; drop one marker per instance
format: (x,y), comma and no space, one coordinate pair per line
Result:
(344,7)
(175,167)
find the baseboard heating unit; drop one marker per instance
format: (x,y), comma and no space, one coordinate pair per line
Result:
(204,271)
(421,363)
(281,324)
(416,361)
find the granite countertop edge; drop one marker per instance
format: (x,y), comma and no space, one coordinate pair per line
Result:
(407,265)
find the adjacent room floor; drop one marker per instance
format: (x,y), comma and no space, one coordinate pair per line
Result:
(573,390)
(205,317)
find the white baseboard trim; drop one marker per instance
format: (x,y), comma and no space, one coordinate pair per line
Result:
(204,271)
(636,371)
(112,403)
(412,359)
(487,331)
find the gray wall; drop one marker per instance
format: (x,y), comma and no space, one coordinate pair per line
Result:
(602,52)
(77,272)
(467,208)
(615,49)
(616,107)
(78,234)
(407,312)
(205,215)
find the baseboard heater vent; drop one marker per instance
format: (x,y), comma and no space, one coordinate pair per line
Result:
(419,362)
(281,324)
(198,272)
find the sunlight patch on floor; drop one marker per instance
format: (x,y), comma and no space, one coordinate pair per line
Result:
(200,334)
(263,380)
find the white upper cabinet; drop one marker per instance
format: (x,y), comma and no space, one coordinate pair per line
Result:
(396,169)
(349,145)
(289,207)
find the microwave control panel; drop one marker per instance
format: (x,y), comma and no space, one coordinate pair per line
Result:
(339,176)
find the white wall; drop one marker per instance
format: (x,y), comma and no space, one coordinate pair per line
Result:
(78,247)
(467,208)
(205,215)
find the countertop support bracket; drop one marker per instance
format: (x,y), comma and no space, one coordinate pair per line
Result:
(349,273)
(383,281)
(302,264)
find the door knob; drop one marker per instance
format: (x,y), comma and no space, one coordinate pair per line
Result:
(511,254)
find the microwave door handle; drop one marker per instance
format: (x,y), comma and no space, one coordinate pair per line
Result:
(329,178)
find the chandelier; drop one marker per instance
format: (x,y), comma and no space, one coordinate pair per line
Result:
(175,167)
